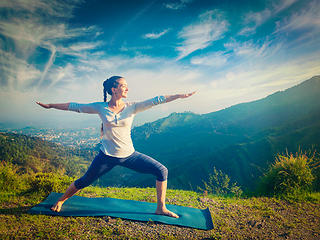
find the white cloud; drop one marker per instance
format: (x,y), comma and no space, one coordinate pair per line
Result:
(135,49)
(117,62)
(178,5)
(30,31)
(27,8)
(40,33)
(156,35)
(283,4)
(66,74)
(48,65)
(79,49)
(216,59)
(251,51)
(20,74)
(307,18)
(253,81)
(253,20)
(210,27)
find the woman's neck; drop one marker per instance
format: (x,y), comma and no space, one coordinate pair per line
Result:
(115,102)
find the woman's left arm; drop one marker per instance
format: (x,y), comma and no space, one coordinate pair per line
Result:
(170,98)
(144,105)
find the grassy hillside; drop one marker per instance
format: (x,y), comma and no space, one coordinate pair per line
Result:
(233,218)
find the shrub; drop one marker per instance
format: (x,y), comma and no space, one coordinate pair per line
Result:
(49,182)
(219,184)
(9,179)
(288,175)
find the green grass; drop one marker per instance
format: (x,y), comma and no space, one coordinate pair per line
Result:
(230,217)
(233,217)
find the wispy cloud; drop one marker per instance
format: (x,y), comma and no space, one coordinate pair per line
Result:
(178,5)
(134,49)
(249,48)
(35,28)
(283,4)
(48,65)
(306,18)
(216,59)
(79,49)
(20,73)
(255,80)
(39,8)
(63,75)
(40,33)
(210,27)
(156,35)
(253,20)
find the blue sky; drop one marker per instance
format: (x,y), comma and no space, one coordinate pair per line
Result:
(229,51)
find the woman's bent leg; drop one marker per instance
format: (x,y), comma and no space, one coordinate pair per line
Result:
(145,164)
(72,190)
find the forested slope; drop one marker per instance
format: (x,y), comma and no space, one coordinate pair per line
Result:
(34,155)
(240,140)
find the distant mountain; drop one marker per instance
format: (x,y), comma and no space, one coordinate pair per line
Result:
(240,140)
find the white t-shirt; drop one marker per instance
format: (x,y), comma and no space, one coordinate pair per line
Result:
(116,140)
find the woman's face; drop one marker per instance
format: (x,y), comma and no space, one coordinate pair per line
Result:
(122,90)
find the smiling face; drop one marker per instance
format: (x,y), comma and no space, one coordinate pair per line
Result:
(122,89)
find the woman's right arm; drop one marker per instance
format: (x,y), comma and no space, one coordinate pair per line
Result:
(72,106)
(60,106)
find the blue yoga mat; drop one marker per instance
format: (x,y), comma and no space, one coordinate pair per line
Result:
(126,209)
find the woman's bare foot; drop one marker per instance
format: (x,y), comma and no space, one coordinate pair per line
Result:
(57,206)
(166,212)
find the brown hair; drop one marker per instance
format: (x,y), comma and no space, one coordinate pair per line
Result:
(108,84)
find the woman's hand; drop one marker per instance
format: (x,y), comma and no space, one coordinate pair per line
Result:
(187,95)
(60,106)
(170,98)
(44,105)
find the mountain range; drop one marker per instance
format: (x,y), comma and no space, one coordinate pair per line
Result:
(241,141)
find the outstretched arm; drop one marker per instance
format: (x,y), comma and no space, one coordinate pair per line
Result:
(170,98)
(60,106)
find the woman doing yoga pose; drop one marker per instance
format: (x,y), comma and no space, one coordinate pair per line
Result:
(116,144)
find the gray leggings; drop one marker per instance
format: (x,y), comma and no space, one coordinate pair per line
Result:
(137,161)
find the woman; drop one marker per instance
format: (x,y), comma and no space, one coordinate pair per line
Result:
(116,145)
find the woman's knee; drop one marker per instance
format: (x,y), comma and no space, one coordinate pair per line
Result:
(163,174)
(80,184)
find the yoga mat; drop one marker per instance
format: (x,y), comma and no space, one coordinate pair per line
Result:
(126,209)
